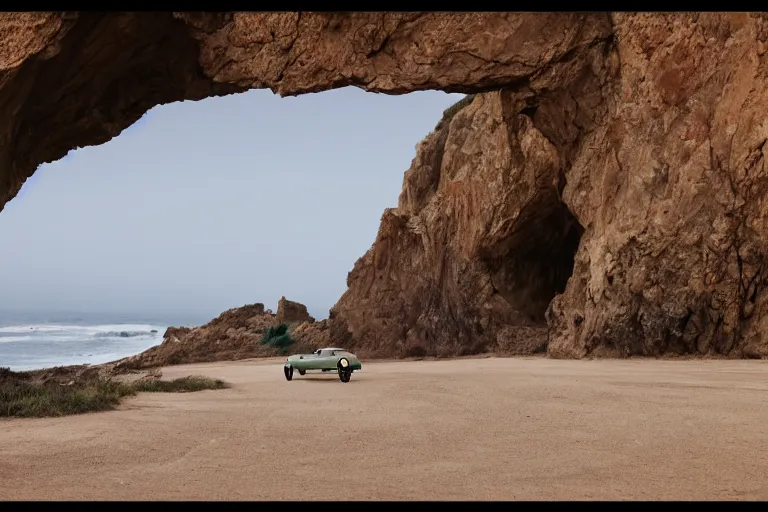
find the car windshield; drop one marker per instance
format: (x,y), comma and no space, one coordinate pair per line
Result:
(327,352)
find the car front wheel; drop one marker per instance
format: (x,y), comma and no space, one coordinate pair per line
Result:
(288,370)
(345,372)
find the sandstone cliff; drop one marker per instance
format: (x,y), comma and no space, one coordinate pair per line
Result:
(620,211)
(478,246)
(630,147)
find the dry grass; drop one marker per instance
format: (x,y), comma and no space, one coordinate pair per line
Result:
(23,399)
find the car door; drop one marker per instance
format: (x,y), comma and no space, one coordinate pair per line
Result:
(327,360)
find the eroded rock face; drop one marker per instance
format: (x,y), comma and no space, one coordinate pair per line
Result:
(292,313)
(672,189)
(675,258)
(480,242)
(608,198)
(653,151)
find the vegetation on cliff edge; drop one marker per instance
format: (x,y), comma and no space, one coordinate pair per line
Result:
(453,110)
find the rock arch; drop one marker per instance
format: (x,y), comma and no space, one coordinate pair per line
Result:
(70,80)
(647,130)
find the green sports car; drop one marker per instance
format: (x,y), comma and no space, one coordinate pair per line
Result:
(324,360)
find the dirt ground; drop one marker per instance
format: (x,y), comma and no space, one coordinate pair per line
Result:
(478,429)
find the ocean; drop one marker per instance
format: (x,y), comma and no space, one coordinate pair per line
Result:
(30,341)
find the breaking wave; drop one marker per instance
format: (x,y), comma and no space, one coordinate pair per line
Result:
(32,346)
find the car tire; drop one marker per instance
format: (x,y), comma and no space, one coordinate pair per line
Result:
(288,370)
(302,372)
(345,372)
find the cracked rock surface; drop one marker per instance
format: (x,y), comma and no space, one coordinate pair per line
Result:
(602,193)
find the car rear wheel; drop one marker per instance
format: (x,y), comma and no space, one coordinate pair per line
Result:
(302,372)
(288,370)
(345,372)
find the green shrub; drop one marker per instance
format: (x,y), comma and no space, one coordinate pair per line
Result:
(278,337)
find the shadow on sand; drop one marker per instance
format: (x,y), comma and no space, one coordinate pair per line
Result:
(332,377)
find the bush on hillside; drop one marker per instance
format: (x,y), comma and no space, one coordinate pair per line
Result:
(278,337)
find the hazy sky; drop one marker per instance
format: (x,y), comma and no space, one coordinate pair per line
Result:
(203,206)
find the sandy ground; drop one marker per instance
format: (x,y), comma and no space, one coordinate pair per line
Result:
(523,428)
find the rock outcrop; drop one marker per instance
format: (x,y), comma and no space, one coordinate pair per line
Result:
(604,193)
(235,334)
(292,313)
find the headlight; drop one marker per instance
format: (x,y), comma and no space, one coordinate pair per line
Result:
(344,363)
